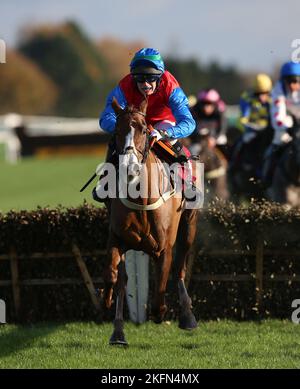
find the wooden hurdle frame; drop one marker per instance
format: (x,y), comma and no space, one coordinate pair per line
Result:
(259,253)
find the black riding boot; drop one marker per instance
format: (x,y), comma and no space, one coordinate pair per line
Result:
(271,159)
(111,157)
(235,159)
(191,192)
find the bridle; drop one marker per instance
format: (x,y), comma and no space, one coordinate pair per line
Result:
(148,144)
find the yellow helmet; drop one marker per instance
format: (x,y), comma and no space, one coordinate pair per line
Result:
(192,99)
(262,83)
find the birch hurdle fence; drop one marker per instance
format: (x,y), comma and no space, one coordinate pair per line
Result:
(245,263)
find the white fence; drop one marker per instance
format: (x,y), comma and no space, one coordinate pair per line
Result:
(57,126)
(41,126)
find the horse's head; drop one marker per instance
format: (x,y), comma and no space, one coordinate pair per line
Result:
(131,138)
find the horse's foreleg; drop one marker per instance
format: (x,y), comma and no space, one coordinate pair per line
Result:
(111,274)
(118,336)
(162,269)
(115,276)
(185,238)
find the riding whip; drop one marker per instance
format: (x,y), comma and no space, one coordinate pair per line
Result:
(88,182)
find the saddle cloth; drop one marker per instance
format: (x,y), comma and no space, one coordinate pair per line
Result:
(165,151)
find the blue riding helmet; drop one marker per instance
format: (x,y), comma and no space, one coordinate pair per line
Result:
(147,57)
(290,69)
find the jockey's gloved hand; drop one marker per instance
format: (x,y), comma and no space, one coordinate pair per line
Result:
(156,134)
(286,138)
(221,139)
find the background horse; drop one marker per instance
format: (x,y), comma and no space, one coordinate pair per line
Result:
(215,166)
(285,186)
(148,224)
(244,178)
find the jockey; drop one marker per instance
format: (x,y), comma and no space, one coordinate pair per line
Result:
(208,113)
(255,114)
(285,115)
(167,109)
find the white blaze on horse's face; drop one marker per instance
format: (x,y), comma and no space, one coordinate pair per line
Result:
(129,140)
(129,159)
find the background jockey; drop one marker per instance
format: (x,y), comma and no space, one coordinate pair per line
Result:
(255,115)
(209,114)
(167,110)
(285,115)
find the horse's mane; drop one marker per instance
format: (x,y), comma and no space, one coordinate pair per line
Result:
(131,109)
(127,111)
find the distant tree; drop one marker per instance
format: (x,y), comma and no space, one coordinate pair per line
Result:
(24,88)
(227,80)
(72,61)
(193,77)
(118,55)
(189,73)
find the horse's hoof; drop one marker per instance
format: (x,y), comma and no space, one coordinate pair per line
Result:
(158,315)
(187,322)
(118,338)
(157,320)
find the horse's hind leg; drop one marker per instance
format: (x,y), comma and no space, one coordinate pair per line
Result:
(221,190)
(187,320)
(185,238)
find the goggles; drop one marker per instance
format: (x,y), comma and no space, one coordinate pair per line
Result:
(293,79)
(141,78)
(261,93)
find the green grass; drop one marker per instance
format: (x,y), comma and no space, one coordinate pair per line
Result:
(224,344)
(2,152)
(49,182)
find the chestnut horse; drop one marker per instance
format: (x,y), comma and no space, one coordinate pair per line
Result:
(215,167)
(148,224)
